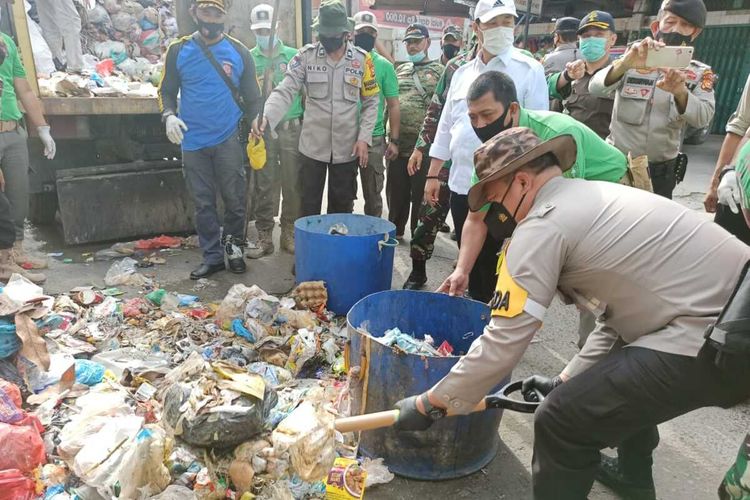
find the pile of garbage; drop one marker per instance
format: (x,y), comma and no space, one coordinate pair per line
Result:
(159,395)
(123,42)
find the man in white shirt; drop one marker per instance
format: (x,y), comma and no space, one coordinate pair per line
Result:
(494,23)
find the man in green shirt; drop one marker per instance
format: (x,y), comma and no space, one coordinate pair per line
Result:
(14,153)
(493,107)
(373,174)
(280,176)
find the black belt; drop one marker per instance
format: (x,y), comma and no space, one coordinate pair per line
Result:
(667,163)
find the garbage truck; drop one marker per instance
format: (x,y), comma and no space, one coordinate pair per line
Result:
(116,176)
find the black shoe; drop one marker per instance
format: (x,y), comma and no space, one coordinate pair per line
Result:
(206,270)
(416,281)
(444,228)
(630,486)
(234,256)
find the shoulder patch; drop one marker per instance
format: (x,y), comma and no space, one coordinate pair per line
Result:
(707,80)
(307,48)
(543,210)
(510,299)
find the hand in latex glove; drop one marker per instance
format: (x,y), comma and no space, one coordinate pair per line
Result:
(175,129)
(409,416)
(49,143)
(538,383)
(729,191)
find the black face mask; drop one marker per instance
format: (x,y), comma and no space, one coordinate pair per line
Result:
(364,41)
(450,51)
(332,44)
(674,39)
(500,223)
(210,30)
(488,132)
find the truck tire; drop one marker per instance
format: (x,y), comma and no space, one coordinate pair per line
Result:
(42,208)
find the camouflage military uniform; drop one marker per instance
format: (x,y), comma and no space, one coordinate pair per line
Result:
(431,218)
(736,484)
(416,86)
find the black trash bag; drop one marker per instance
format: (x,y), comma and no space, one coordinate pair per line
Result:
(223,429)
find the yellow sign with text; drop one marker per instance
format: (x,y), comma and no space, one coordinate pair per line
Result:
(509,299)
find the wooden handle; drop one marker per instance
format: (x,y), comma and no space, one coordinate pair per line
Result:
(366,422)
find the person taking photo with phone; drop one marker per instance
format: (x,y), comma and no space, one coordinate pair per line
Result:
(653,104)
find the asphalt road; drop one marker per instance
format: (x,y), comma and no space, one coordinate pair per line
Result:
(695,449)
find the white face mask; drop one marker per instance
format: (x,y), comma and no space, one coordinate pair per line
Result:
(496,40)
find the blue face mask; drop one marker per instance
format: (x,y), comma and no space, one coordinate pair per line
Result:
(263,41)
(593,48)
(418,57)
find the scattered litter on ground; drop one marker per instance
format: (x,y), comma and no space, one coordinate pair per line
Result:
(156,394)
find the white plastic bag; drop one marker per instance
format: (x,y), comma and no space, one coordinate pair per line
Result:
(43,59)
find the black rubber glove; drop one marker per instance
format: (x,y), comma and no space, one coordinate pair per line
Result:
(538,383)
(409,418)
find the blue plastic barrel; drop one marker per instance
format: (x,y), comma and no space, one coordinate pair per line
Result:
(352,265)
(453,447)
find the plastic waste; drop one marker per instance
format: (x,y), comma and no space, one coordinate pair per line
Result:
(377,472)
(158,243)
(21,290)
(176,492)
(9,342)
(21,445)
(233,305)
(273,375)
(124,273)
(15,486)
(89,372)
(262,308)
(156,296)
(10,403)
(396,338)
(239,329)
(339,229)
(307,435)
(303,349)
(133,360)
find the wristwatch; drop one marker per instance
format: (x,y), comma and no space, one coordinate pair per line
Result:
(433,412)
(395,141)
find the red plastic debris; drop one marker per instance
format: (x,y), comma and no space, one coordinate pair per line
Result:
(15,486)
(445,348)
(159,242)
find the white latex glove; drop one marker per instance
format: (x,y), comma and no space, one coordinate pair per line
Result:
(49,143)
(729,191)
(175,127)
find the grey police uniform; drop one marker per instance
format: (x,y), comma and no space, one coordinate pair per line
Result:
(332,122)
(655,273)
(645,120)
(555,61)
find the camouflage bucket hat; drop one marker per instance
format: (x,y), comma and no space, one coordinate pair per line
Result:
(512,149)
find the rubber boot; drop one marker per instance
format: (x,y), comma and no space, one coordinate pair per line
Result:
(25,260)
(263,247)
(632,481)
(9,267)
(287,239)
(418,277)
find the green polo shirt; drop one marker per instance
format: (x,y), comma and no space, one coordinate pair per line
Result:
(11,69)
(280,61)
(743,174)
(385,74)
(596,160)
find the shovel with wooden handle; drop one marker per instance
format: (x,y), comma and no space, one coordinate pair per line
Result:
(500,400)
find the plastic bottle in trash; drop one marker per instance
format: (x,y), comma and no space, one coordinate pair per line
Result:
(339,229)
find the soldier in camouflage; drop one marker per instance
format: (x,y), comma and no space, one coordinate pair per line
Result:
(417,81)
(736,484)
(432,217)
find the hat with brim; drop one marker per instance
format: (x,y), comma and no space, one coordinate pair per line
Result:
(332,19)
(487,10)
(597,19)
(416,31)
(511,150)
(217,4)
(365,19)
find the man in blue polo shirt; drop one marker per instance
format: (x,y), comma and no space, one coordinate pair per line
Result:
(215,77)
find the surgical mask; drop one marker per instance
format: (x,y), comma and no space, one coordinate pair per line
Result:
(332,44)
(264,41)
(593,48)
(364,41)
(674,39)
(491,130)
(418,57)
(500,223)
(496,40)
(210,30)
(450,51)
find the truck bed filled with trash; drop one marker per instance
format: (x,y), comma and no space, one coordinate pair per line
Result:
(156,394)
(122,42)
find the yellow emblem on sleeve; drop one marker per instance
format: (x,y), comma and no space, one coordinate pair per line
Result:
(509,299)
(369,83)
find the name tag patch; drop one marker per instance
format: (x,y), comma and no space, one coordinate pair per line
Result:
(510,299)
(317,68)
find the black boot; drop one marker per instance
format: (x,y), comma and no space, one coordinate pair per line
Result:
(634,482)
(418,277)
(206,270)
(234,255)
